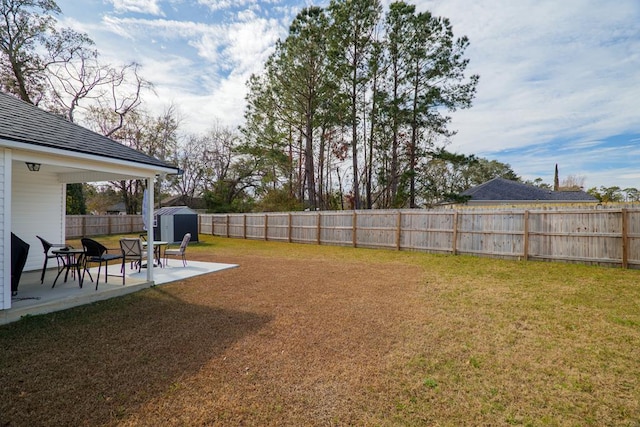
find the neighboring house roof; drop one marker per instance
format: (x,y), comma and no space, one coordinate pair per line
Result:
(25,123)
(118,207)
(573,196)
(500,189)
(182,200)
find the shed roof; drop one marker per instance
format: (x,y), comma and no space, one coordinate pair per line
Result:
(175,210)
(500,189)
(26,123)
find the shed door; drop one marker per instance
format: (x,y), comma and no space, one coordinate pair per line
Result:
(184,224)
(166,228)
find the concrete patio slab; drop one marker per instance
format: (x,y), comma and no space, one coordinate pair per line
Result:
(34,298)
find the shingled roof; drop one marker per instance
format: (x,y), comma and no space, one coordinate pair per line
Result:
(26,123)
(500,189)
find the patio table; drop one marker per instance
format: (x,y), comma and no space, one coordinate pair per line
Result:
(71,259)
(157,250)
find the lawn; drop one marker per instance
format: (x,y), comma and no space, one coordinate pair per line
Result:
(317,335)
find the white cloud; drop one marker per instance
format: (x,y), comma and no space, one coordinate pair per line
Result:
(209,82)
(164,28)
(240,46)
(226,4)
(216,5)
(547,69)
(252,42)
(150,7)
(171,73)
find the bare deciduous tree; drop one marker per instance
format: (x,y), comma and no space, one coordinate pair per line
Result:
(30,43)
(572,183)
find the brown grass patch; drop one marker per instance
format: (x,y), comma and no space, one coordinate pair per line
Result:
(306,335)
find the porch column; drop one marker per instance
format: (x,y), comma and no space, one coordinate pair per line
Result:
(149,210)
(5,228)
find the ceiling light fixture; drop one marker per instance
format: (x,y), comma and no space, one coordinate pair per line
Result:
(33,167)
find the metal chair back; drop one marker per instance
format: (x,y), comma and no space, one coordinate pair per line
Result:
(46,246)
(131,247)
(92,249)
(185,242)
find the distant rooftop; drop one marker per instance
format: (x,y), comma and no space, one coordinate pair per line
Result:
(500,189)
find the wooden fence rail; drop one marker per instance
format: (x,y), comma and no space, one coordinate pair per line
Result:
(608,237)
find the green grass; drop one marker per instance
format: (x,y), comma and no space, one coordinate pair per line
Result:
(413,339)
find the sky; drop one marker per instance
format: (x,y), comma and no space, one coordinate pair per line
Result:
(559,80)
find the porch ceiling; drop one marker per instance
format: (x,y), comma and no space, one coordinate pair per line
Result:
(78,170)
(70,175)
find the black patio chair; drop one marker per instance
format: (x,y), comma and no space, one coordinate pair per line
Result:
(97,253)
(19,253)
(46,245)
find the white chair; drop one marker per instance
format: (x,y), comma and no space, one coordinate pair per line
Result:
(178,251)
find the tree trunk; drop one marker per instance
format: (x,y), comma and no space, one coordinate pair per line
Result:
(309,169)
(354,136)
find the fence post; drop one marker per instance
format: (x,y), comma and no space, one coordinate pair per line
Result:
(319,230)
(244,226)
(354,229)
(266,227)
(213,220)
(625,239)
(289,227)
(399,228)
(454,240)
(525,243)
(83,228)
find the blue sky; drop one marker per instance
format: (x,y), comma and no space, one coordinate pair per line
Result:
(559,80)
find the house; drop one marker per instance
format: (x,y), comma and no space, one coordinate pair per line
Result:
(504,191)
(40,153)
(117,209)
(195,203)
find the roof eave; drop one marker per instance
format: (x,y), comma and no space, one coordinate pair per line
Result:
(45,150)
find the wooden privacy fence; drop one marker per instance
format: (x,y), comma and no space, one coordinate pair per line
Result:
(97,225)
(592,236)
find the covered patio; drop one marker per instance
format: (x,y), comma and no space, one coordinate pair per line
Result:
(40,154)
(34,298)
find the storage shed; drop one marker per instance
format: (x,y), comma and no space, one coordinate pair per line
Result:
(171,223)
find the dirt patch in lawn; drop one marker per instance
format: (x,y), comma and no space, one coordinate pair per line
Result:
(272,342)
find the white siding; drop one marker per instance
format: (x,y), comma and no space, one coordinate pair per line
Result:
(37,209)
